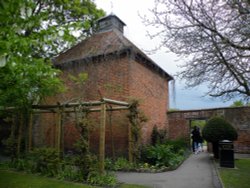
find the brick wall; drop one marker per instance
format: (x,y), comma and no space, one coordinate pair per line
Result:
(239,117)
(179,128)
(152,90)
(108,78)
(118,78)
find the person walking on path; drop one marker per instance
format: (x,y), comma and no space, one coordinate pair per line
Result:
(196,137)
(196,172)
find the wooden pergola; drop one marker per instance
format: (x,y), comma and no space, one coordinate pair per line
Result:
(101,106)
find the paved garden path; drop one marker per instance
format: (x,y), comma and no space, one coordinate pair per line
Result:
(198,171)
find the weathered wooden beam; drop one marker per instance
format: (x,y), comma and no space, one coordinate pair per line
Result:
(20,134)
(110,101)
(92,103)
(68,105)
(130,150)
(90,110)
(59,129)
(30,132)
(109,109)
(44,111)
(52,108)
(102,139)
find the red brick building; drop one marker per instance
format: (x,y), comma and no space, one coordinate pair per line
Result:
(116,69)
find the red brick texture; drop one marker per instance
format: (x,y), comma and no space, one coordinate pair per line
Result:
(179,125)
(118,77)
(152,90)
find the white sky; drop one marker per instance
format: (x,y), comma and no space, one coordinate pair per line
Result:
(128,11)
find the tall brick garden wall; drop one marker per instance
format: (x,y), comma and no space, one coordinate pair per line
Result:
(179,123)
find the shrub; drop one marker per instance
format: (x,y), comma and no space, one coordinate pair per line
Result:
(158,136)
(107,179)
(45,161)
(179,145)
(21,164)
(70,173)
(120,164)
(216,129)
(162,155)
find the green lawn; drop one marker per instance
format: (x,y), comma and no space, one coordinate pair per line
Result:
(10,179)
(237,178)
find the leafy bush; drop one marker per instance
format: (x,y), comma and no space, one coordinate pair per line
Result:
(170,154)
(21,164)
(10,147)
(46,161)
(158,136)
(70,173)
(162,155)
(86,161)
(122,164)
(119,164)
(107,179)
(217,128)
(81,167)
(179,145)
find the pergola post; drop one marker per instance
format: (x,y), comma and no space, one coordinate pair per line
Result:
(102,138)
(59,130)
(20,134)
(130,154)
(30,132)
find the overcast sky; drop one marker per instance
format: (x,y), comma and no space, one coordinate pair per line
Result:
(128,11)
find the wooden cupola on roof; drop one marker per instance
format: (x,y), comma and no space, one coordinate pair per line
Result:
(110,22)
(108,39)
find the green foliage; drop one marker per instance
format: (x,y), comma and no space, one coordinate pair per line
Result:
(169,154)
(179,145)
(162,155)
(46,161)
(122,164)
(21,164)
(83,159)
(239,103)
(119,164)
(136,118)
(10,147)
(26,81)
(33,32)
(217,128)
(70,173)
(107,179)
(173,109)
(198,123)
(80,79)
(158,136)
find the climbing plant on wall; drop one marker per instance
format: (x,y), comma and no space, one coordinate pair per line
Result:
(136,118)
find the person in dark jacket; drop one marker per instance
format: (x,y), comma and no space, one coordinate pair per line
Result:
(196,138)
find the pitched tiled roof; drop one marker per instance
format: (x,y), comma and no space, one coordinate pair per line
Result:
(105,43)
